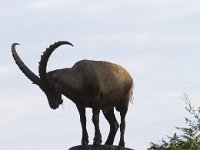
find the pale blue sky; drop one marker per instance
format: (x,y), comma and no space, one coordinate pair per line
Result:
(157,41)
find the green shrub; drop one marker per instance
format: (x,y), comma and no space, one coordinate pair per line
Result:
(190,137)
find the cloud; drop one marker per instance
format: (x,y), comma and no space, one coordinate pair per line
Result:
(45,4)
(76,5)
(5,70)
(156,41)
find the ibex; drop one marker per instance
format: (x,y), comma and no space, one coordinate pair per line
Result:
(99,85)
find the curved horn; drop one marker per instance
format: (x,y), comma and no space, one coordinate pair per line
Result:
(45,58)
(34,78)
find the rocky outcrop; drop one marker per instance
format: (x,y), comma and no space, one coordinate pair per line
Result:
(99,147)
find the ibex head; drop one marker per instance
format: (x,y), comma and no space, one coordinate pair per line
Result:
(51,89)
(53,95)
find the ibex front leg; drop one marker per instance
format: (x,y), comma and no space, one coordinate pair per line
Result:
(95,119)
(84,140)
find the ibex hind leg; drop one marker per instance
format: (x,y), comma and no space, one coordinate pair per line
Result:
(114,125)
(123,111)
(122,128)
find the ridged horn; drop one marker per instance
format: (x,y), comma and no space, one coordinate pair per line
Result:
(34,78)
(45,57)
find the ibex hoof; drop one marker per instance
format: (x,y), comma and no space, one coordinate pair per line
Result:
(85,142)
(108,142)
(122,143)
(97,142)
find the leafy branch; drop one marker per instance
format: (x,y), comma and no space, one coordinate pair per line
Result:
(190,137)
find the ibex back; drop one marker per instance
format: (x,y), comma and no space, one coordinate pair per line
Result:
(99,85)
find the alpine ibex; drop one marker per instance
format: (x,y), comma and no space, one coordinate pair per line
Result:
(99,85)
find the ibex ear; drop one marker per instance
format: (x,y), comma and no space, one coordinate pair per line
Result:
(34,78)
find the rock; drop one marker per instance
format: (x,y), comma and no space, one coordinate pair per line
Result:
(99,147)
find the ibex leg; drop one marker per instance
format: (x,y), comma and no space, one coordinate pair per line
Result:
(95,119)
(122,127)
(84,140)
(110,116)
